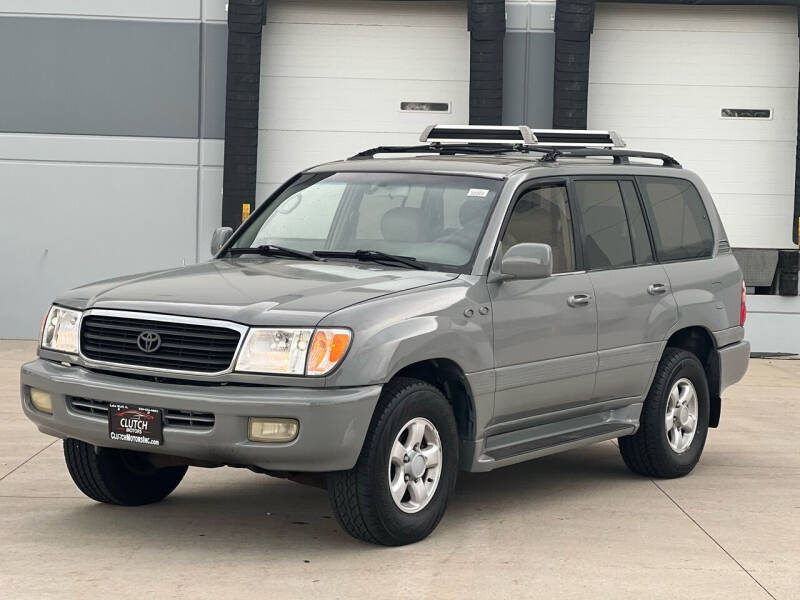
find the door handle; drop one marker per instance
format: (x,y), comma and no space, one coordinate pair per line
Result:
(579,300)
(654,289)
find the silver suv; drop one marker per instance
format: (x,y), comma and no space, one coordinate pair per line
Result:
(378,324)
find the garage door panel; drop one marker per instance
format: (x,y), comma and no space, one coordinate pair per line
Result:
(294,50)
(694,112)
(772,19)
(276,165)
(758,230)
(746,206)
(661,75)
(691,58)
(728,166)
(356,105)
(343,12)
(334,75)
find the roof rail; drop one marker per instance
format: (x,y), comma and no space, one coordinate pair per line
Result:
(478,134)
(577,138)
(620,156)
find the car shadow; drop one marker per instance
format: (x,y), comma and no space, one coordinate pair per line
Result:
(205,515)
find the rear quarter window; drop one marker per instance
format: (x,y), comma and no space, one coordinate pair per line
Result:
(678,218)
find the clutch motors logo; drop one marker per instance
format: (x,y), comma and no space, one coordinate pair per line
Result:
(137,425)
(134,422)
(148,341)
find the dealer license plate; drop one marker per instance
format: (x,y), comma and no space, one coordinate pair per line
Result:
(136,424)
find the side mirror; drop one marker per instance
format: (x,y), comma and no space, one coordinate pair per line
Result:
(527,261)
(221,235)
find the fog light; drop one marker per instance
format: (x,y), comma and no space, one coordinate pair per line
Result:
(42,401)
(272,430)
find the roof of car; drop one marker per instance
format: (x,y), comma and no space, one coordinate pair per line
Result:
(491,166)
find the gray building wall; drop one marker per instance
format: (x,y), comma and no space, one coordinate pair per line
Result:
(111,126)
(528,63)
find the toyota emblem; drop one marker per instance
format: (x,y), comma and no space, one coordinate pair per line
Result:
(148,341)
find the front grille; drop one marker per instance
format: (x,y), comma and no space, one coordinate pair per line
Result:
(184,346)
(178,419)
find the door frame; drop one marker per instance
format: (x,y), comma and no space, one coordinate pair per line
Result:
(525,187)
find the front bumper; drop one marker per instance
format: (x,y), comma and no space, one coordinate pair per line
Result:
(333,422)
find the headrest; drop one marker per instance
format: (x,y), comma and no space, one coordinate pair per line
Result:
(401,224)
(471,210)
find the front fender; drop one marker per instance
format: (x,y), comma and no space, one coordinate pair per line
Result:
(393,332)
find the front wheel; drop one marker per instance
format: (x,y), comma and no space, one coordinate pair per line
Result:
(674,421)
(119,477)
(398,490)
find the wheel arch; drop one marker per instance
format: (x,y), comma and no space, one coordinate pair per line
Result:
(447,376)
(700,342)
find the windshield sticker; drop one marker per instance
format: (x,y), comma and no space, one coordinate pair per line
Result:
(477,193)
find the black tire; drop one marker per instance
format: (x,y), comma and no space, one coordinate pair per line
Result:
(648,451)
(120,477)
(360,497)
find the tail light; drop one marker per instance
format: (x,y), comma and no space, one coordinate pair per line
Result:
(743,310)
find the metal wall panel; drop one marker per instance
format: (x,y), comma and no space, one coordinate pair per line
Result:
(69,222)
(99,77)
(214,65)
(528,78)
(529,57)
(140,9)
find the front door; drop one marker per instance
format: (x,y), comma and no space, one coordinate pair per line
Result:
(545,330)
(635,307)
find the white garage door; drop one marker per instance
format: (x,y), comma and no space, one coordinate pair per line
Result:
(334,74)
(662,76)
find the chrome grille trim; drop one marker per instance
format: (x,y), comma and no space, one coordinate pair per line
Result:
(165,319)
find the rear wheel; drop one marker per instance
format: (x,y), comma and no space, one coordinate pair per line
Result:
(119,477)
(674,421)
(397,492)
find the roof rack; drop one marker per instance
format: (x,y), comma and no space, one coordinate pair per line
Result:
(449,140)
(520,134)
(480,134)
(578,138)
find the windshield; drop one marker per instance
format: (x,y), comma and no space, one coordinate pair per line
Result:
(435,219)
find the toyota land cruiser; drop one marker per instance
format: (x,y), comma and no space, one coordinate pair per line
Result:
(491,296)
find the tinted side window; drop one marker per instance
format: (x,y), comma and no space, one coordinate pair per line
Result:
(642,252)
(542,216)
(606,237)
(678,219)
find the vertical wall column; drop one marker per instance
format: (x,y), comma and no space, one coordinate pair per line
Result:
(487,27)
(528,63)
(574,25)
(796,219)
(245,24)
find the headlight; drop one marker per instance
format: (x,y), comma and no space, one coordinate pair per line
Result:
(293,351)
(60,330)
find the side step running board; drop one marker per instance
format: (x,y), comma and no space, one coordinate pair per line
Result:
(605,429)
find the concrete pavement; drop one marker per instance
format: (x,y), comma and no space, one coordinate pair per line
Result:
(575,525)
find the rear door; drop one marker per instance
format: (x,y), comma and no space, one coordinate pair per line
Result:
(635,307)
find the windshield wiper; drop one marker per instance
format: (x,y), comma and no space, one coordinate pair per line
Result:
(273,250)
(374,256)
